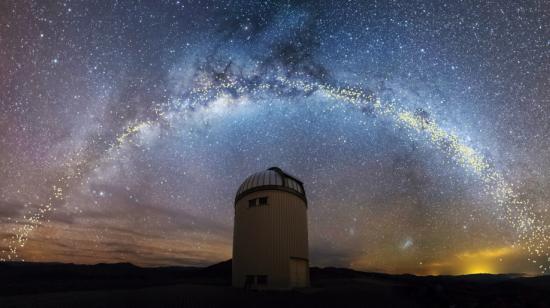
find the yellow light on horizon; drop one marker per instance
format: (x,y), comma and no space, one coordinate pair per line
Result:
(485,261)
(480,268)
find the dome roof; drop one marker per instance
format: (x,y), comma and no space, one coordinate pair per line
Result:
(272,178)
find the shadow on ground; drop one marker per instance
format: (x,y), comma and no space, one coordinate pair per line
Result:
(125,285)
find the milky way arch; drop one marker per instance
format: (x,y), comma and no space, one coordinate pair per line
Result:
(210,86)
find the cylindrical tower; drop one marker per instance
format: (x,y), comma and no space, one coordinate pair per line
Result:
(270,242)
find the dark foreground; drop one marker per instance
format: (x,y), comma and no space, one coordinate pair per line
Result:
(124,285)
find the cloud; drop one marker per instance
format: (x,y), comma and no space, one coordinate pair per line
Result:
(10,208)
(127,205)
(488,253)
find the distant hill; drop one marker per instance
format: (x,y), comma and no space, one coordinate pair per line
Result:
(124,284)
(317,273)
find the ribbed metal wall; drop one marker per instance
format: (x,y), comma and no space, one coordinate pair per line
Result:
(266,237)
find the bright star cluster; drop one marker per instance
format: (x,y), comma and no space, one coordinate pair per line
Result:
(421,131)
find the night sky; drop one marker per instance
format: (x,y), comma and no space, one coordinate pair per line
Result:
(421,130)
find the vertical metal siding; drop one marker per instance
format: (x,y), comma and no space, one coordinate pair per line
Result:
(265,237)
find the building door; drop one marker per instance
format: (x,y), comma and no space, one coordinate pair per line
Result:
(298,272)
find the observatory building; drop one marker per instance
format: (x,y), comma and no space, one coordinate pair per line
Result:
(270,244)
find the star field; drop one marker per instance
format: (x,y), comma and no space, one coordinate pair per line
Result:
(420,130)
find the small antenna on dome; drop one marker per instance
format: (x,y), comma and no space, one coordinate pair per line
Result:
(276,169)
